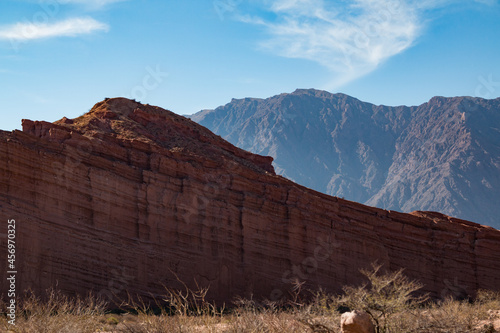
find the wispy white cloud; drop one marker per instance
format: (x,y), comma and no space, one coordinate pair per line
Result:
(351,38)
(71,27)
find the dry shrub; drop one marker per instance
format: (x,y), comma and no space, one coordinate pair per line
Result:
(387,297)
(391,302)
(321,314)
(189,302)
(179,310)
(489,299)
(58,313)
(250,316)
(464,316)
(452,316)
(293,314)
(383,296)
(265,322)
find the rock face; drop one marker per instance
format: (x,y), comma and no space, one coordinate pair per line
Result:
(129,196)
(443,155)
(356,322)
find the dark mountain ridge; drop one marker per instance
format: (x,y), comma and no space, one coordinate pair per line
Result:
(443,155)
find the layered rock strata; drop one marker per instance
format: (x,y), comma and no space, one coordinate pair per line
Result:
(133,198)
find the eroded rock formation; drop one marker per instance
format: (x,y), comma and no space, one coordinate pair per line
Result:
(129,196)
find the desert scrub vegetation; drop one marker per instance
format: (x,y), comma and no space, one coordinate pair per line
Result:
(382,296)
(388,297)
(55,313)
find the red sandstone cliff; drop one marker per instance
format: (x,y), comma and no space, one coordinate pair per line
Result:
(125,196)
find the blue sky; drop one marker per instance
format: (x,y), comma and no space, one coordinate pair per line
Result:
(60,57)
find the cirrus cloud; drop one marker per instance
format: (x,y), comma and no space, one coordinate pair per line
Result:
(350,38)
(70,28)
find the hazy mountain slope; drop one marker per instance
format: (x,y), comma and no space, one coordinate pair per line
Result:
(442,155)
(448,159)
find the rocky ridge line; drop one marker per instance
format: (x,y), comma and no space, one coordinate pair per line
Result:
(129,196)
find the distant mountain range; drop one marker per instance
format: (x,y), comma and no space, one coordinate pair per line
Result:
(443,155)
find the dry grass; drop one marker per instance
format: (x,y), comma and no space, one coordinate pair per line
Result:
(57,313)
(451,316)
(388,297)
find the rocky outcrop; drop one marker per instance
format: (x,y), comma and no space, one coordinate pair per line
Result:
(356,322)
(443,155)
(130,197)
